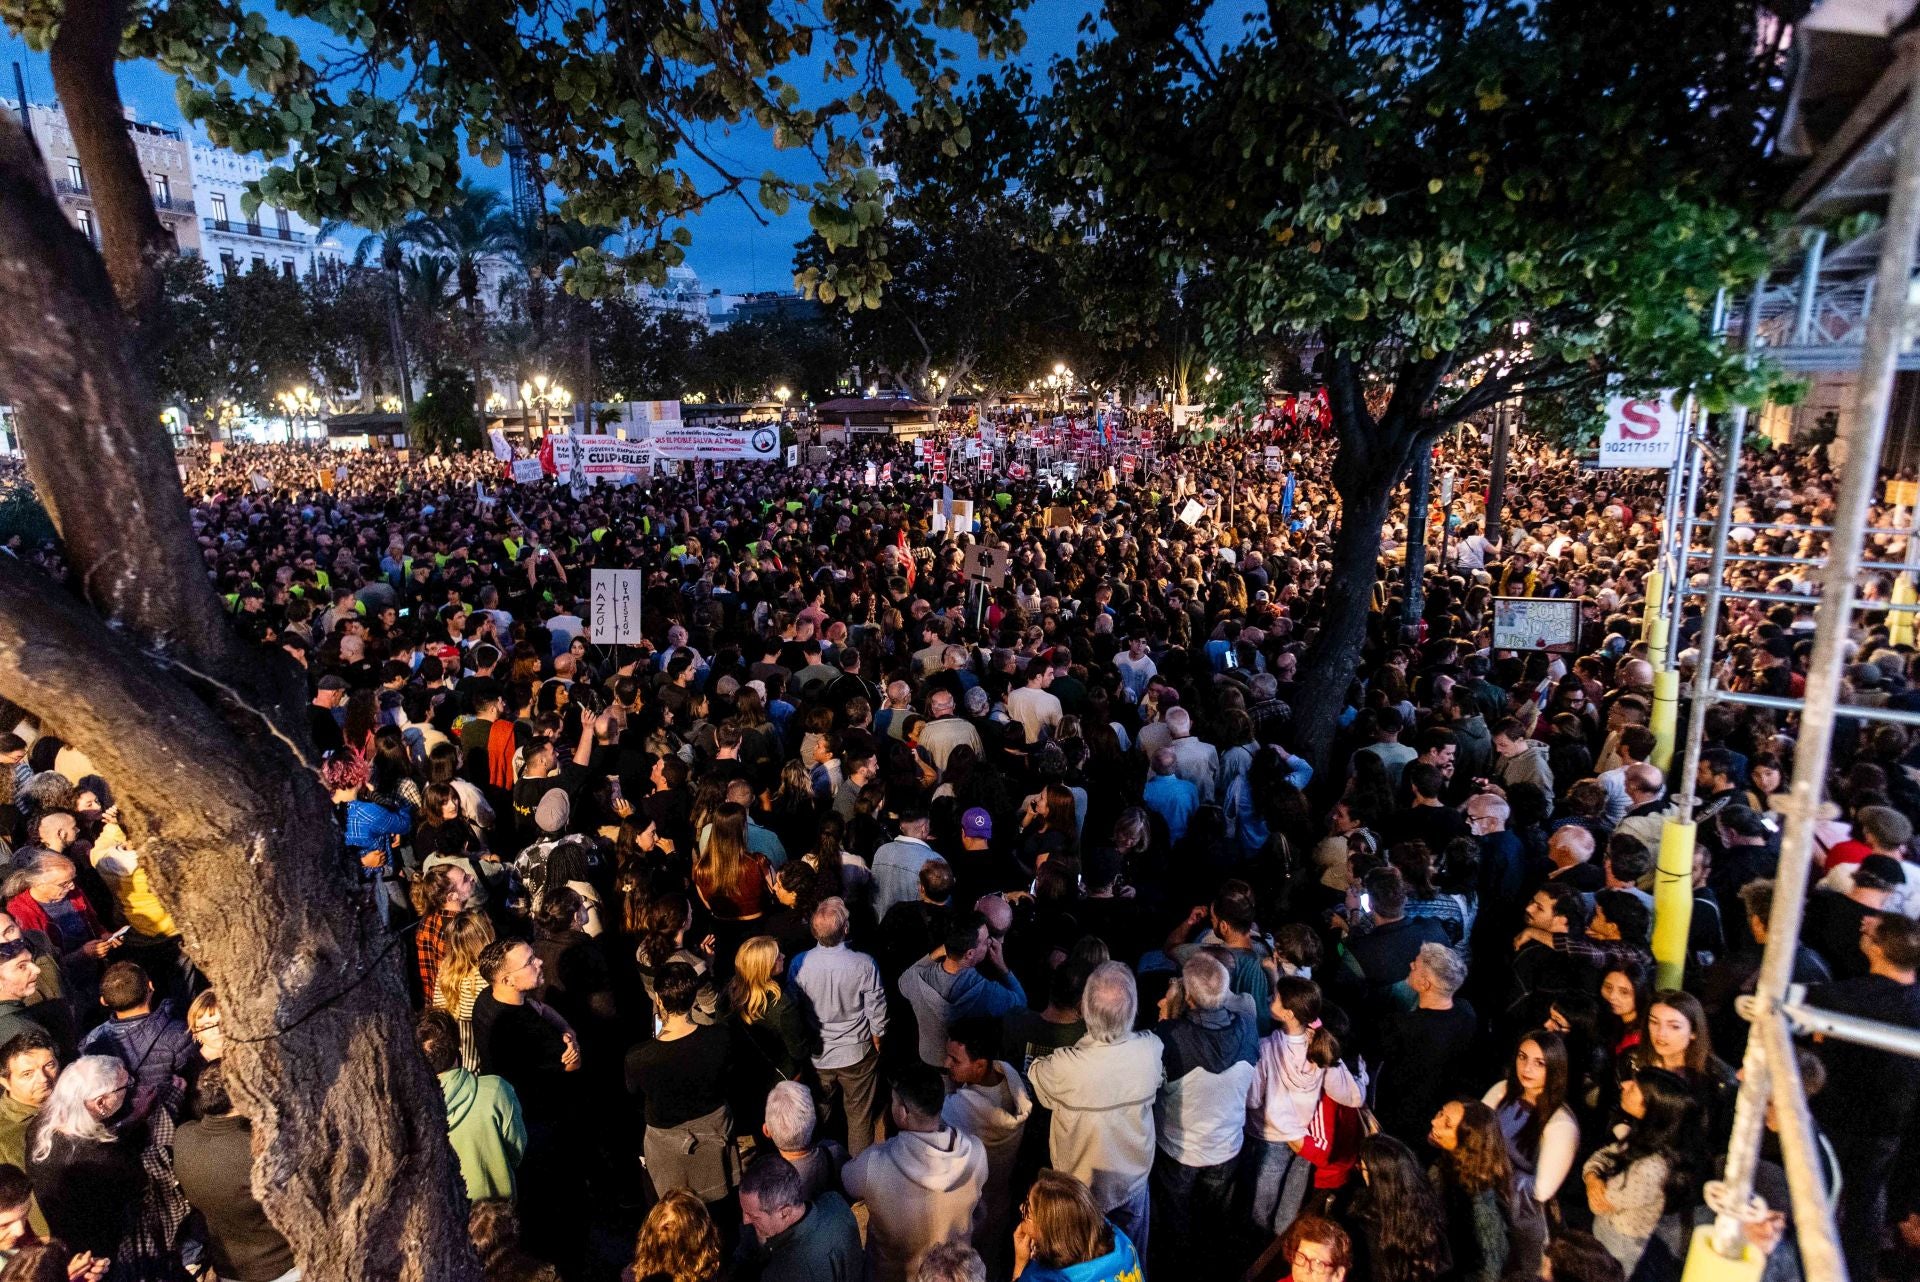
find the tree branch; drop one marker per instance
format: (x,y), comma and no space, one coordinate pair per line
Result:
(86,417)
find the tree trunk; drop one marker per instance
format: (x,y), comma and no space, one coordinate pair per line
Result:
(1497,470)
(83,58)
(1419,498)
(204,737)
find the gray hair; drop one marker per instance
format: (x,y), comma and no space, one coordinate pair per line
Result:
(830,921)
(1265,686)
(1444,966)
(791,1116)
(48,790)
(950,1261)
(88,1077)
(1204,982)
(1179,721)
(1109,1002)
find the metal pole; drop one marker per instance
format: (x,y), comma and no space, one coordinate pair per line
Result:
(1886,326)
(1497,471)
(1809,285)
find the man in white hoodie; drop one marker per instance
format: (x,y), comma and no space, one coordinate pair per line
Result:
(1102,1091)
(922,1186)
(990,1102)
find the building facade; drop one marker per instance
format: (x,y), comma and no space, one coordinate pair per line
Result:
(235,241)
(165,158)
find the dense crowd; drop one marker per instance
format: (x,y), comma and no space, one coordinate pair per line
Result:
(854,925)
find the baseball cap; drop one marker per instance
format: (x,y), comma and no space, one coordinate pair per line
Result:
(978,823)
(1875,872)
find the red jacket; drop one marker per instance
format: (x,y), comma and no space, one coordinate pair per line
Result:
(27,912)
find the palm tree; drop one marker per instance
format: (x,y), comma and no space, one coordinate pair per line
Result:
(475,226)
(544,247)
(387,245)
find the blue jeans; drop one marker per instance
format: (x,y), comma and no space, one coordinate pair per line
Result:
(1276,1181)
(1132,1217)
(1190,1211)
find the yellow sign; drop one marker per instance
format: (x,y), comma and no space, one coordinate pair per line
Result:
(1902,493)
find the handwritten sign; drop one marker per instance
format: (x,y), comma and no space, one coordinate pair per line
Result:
(526,471)
(1532,623)
(615,616)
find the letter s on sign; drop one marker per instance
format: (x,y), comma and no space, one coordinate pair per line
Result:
(1640,420)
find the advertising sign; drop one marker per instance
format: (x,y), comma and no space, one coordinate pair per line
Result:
(1640,432)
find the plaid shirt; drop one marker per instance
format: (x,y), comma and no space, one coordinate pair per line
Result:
(1600,954)
(431,942)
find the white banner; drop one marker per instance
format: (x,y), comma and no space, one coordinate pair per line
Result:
(751,445)
(1640,432)
(501,450)
(609,458)
(615,616)
(527,470)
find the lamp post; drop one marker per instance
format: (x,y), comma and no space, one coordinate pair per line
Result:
(298,403)
(546,394)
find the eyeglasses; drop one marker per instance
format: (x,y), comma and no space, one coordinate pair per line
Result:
(1304,1263)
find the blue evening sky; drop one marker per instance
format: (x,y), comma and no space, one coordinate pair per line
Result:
(731,249)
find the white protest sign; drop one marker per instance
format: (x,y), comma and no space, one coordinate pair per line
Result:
(959,522)
(676,440)
(1192,512)
(793,456)
(1535,623)
(605,458)
(1640,432)
(527,470)
(501,450)
(615,616)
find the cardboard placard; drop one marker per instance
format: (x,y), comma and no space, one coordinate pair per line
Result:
(615,615)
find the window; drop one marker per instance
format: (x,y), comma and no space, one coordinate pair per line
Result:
(286,268)
(162,191)
(286,227)
(76,177)
(228,266)
(84,217)
(259,261)
(219,211)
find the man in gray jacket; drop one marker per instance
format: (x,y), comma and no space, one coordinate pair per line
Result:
(844,997)
(1102,1091)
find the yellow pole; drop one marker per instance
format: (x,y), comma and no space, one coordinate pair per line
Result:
(1672,903)
(1666,713)
(1656,581)
(1704,1264)
(1900,622)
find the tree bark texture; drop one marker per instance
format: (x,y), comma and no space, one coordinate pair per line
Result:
(205,740)
(1374,456)
(1419,497)
(83,58)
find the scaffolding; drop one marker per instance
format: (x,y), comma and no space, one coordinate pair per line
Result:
(1769,1071)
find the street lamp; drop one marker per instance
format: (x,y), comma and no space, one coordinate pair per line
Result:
(545,394)
(298,403)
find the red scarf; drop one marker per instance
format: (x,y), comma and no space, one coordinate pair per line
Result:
(500,755)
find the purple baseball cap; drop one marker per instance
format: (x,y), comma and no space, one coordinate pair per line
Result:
(976,823)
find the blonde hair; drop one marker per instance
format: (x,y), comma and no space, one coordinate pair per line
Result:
(207,1003)
(755,988)
(1066,1226)
(468,934)
(678,1241)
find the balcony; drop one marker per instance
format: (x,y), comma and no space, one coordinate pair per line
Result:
(254,231)
(172,206)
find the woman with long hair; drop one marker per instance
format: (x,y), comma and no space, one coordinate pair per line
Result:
(791,808)
(669,917)
(1495,1228)
(1063,1236)
(1299,1064)
(730,879)
(1677,1040)
(460,984)
(841,873)
(1048,827)
(778,1043)
(441,894)
(678,1242)
(1399,1230)
(1625,992)
(1530,1104)
(1633,1183)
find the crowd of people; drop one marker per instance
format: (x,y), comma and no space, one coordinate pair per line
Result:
(853,926)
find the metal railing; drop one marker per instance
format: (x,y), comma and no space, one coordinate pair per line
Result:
(1770,1070)
(282,235)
